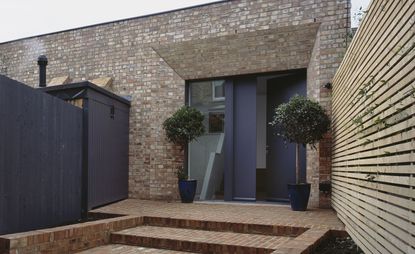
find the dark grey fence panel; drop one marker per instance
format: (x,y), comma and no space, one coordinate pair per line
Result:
(40,159)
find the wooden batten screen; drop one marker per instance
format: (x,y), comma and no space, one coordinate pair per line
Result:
(373,166)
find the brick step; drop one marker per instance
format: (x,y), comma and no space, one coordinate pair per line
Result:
(198,241)
(128,249)
(225,226)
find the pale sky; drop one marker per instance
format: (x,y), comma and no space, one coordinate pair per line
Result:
(24,18)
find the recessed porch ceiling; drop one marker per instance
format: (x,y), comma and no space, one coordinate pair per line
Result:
(268,50)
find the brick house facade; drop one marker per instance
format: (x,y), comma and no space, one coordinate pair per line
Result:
(150,58)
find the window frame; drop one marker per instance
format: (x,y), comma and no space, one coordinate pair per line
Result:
(214,85)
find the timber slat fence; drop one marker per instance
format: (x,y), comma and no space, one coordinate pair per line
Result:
(373,164)
(40,159)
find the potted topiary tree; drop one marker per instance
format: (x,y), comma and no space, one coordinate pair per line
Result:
(300,121)
(184,126)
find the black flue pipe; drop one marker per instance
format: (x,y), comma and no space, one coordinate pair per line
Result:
(42,61)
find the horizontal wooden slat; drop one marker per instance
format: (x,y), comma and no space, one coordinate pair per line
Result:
(387,151)
(397,169)
(361,181)
(389,179)
(382,142)
(401,158)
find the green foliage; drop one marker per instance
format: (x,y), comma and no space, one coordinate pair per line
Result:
(359,15)
(301,121)
(411,92)
(181,173)
(185,125)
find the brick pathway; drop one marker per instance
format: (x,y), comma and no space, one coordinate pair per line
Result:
(125,249)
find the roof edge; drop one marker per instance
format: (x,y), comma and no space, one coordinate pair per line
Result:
(117,21)
(87,84)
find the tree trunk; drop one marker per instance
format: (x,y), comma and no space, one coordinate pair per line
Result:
(186,159)
(297,163)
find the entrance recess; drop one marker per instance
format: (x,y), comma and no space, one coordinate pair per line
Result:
(239,157)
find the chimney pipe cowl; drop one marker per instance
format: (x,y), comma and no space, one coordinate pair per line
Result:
(42,61)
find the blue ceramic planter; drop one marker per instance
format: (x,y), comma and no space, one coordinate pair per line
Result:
(299,194)
(187,189)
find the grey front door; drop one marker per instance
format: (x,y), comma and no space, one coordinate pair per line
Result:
(240,139)
(281,155)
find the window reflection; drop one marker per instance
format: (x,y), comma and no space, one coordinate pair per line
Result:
(209,98)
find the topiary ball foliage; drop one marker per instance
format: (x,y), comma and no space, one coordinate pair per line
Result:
(301,121)
(185,125)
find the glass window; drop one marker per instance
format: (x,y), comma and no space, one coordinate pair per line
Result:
(209,98)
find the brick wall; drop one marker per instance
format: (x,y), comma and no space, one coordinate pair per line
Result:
(130,51)
(67,239)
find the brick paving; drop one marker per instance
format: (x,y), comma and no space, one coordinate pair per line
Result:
(198,227)
(126,249)
(265,214)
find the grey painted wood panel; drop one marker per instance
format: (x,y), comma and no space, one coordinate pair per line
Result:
(105,142)
(40,159)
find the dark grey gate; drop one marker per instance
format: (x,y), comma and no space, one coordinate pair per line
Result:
(40,159)
(281,156)
(105,141)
